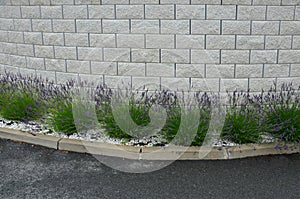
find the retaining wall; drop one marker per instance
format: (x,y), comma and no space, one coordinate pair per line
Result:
(180,44)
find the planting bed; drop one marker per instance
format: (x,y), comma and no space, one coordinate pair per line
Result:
(36,105)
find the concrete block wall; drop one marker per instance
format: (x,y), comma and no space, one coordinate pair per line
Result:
(213,45)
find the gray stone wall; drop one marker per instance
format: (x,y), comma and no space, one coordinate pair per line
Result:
(180,44)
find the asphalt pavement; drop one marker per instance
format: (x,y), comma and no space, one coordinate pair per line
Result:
(28,171)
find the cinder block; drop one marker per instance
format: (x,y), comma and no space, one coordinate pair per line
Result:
(259,84)
(145,26)
(15,37)
(220,42)
(115,2)
(9,48)
(101,68)
(145,55)
(287,80)
(263,56)
(41,25)
(33,38)
(103,40)
(175,26)
(3,36)
(159,11)
(175,84)
(50,75)
(39,2)
(190,12)
(55,65)
(248,70)
(90,54)
(138,2)
(143,83)
(44,51)
(190,70)
(175,56)
(60,2)
(276,70)
(205,56)
(280,12)
(130,41)
(297,13)
(75,12)
(251,12)
(266,2)
(35,63)
(213,2)
(115,26)
(76,39)
(278,42)
(190,41)
(289,57)
(233,85)
(13,12)
(53,39)
(101,11)
(160,41)
(290,27)
(88,26)
(250,42)
(62,78)
(121,82)
(295,70)
(178,2)
(237,2)
(160,70)
(30,12)
(25,49)
(236,27)
(219,71)
(221,12)
(63,25)
(129,11)
(265,27)
(51,12)
(290,2)
(92,80)
(8,24)
(17,61)
(131,69)
(117,54)
(25,25)
(65,52)
(205,84)
(206,27)
(88,2)
(235,56)
(296,42)
(81,67)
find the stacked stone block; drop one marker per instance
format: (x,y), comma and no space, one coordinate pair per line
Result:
(204,45)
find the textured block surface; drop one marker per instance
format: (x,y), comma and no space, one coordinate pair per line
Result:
(212,45)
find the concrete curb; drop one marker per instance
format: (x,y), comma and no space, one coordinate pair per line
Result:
(151,153)
(37,139)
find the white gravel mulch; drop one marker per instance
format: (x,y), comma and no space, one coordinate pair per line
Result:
(100,136)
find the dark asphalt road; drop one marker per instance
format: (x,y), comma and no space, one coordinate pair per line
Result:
(35,172)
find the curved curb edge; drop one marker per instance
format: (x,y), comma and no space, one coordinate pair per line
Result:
(149,153)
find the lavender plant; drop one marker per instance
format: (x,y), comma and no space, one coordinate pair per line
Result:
(139,112)
(282,113)
(20,99)
(242,122)
(60,114)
